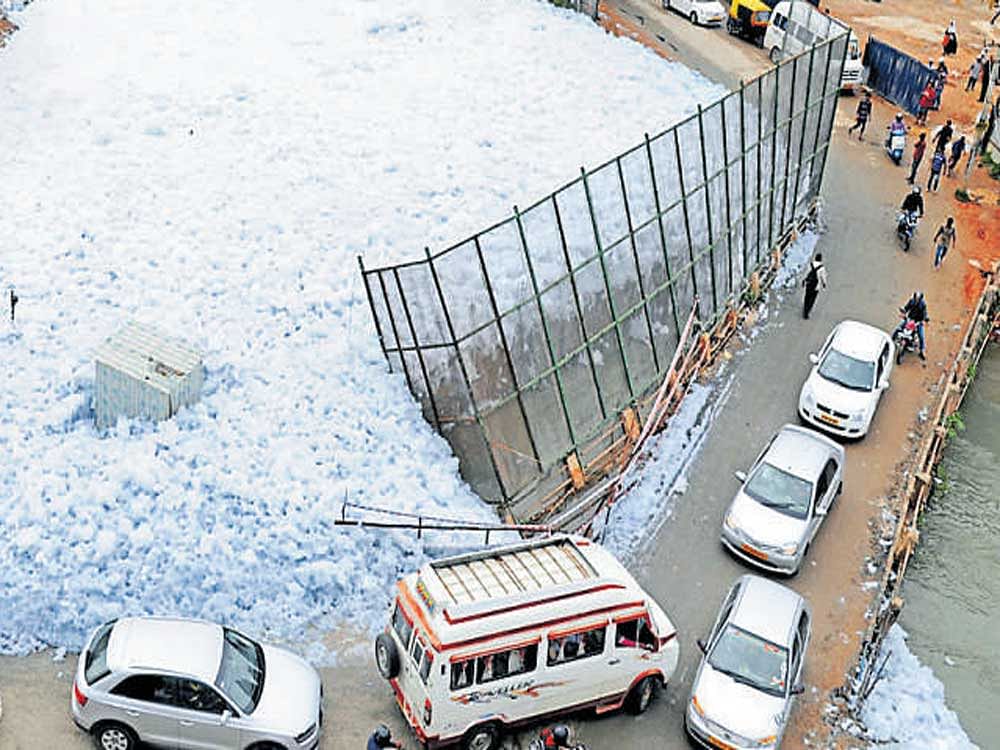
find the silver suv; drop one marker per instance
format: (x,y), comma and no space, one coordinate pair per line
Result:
(191,684)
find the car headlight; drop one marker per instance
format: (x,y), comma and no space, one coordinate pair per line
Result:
(808,398)
(730,521)
(790,549)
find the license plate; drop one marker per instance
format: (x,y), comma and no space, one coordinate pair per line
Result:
(756,553)
(719,744)
(829,420)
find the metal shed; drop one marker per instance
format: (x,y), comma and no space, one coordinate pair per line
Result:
(143,373)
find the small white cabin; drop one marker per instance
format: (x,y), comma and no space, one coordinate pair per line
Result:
(142,373)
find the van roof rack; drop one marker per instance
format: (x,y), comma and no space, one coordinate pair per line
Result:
(520,569)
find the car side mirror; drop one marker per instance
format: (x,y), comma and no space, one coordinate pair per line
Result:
(883,385)
(225,717)
(741,475)
(702,646)
(814,358)
(798,689)
(820,512)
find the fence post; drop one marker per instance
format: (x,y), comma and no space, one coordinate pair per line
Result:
(663,239)
(788,144)
(498,321)
(545,328)
(743,179)
(819,120)
(579,308)
(416,347)
(687,222)
(774,156)
(607,284)
(760,142)
(708,210)
(465,374)
(395,333)
(802,139)
(371,304)
(638,267)
(729,216)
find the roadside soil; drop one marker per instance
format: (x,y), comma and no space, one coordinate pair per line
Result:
(684,566)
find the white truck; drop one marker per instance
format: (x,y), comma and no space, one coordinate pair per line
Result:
(796,25)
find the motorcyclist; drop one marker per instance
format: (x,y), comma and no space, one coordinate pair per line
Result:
(916,310)
(896,127)
(914,202)
(557,736)
(381,738)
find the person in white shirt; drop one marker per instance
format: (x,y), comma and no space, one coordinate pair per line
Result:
(814,280)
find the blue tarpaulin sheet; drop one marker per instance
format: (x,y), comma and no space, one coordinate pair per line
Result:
(895,75)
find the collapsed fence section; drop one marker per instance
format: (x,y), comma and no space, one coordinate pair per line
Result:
(530,344)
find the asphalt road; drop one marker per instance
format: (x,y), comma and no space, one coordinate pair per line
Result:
(684,567)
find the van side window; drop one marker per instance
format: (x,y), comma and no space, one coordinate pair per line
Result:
(423,658)
(462,674)
(506,663)
(402,626)
(576,646)
(635,634)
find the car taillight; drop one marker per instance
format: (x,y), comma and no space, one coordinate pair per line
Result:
(81,699)
(428,712)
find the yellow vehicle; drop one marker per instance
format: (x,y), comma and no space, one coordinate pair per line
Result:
(748,19)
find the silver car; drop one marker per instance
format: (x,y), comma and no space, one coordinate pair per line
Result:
(752,666)
(191,684)
(783,499)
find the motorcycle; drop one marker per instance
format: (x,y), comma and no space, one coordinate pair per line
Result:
(906,227)
(895,144)
(538,744)
(906,339)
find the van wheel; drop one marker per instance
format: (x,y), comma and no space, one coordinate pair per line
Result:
(641,696)
(483,737)
(386,656)
(113,736)
(775,55)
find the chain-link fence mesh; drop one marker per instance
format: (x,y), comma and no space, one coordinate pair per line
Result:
(525,343)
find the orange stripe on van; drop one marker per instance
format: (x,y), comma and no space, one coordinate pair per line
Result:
(581,628)
(464,656)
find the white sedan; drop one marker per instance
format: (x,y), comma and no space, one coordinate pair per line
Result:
(849,375)
(705,12)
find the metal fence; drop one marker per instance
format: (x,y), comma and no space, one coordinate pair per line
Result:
(527,340)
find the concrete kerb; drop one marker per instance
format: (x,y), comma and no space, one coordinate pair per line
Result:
(952,387)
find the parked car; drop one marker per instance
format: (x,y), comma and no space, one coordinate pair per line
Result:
(783,499)
(849,375)
(698,12)
(520,633)
(192,684)
(752,666)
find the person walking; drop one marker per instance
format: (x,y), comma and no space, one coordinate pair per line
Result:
(13,303)
(950,41)
(863,113)
(988,63)
(957,149)
(943,136)
(945,237)
(815,279)
(926,103)
(937,164)
(974,70)
(918,154)
(939,82)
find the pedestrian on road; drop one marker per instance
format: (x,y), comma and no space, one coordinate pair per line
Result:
(13,303)
(945,239)
(939,82)
(863,113)
(918,154)
(815,279)
(943,136)
(957,149)
(382,738)
(974,71)
(988,64)
(927,99)
(990,125)
(937,164)
(950,41)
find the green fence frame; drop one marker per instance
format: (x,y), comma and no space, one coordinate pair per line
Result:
(525,341)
